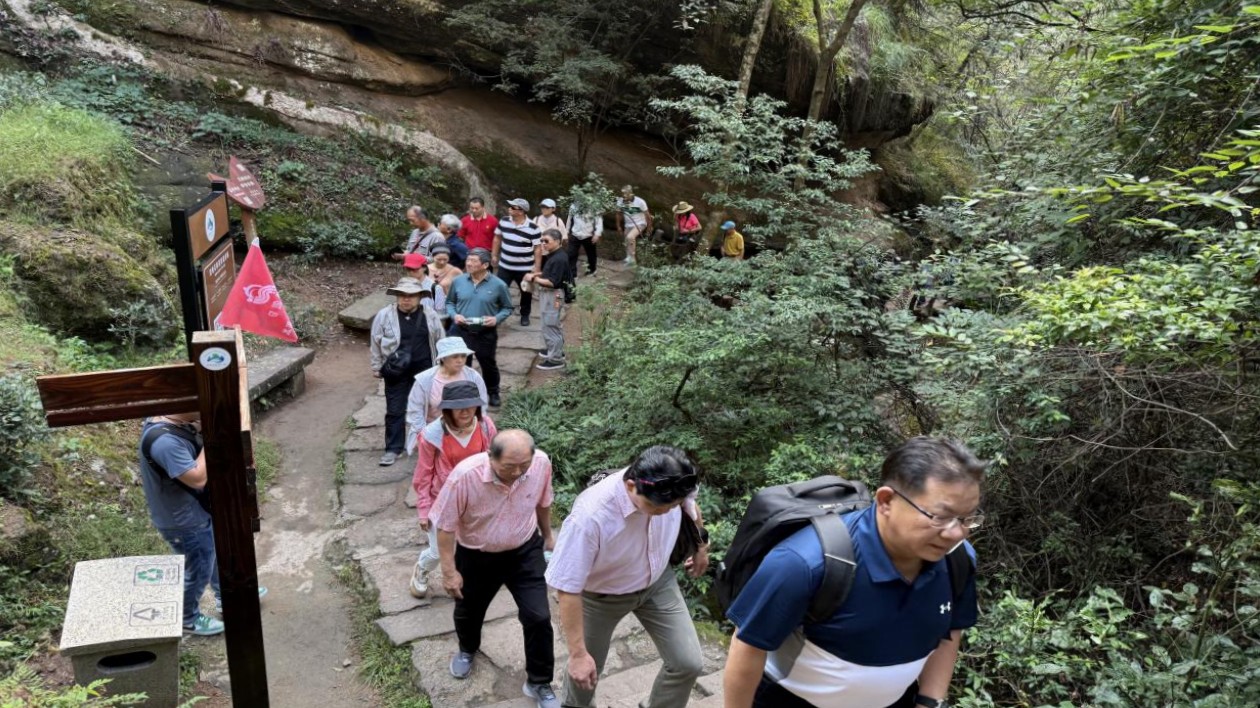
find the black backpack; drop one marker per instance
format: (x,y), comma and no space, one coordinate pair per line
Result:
(187,435)
(778,512)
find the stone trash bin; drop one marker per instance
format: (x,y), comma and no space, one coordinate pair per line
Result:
(124,622)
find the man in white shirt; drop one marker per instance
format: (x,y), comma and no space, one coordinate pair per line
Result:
(633,219)
(585,229)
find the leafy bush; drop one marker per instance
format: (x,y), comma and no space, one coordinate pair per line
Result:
(21,424)
(1190,643)
(335,239)
(23,687)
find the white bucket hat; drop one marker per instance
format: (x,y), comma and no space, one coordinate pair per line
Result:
(450,346)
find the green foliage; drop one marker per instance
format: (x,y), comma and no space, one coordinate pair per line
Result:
(21,426)
(63,164)
(23,687)
(142,322)
(1192,643)
(388,669)
(335,239)
(574,55)
(759,153)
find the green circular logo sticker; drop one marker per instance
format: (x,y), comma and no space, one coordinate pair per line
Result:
(215,358)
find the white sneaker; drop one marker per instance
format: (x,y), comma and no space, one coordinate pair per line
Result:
(419,584)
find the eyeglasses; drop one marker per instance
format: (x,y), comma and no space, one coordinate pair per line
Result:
(672,488)
(946,523)
(515,208)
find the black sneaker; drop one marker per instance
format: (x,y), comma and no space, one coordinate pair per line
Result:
(550,365)
(495,401)
(524,320)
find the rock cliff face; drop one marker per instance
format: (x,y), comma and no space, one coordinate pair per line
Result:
(405,46)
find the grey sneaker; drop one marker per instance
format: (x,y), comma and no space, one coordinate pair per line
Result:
(542,693)
(388,459)
(461,664)
(205,626)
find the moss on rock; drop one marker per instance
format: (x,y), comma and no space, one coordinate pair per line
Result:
(64,164)
(79,279)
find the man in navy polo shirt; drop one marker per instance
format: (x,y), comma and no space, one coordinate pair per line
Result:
(894,641)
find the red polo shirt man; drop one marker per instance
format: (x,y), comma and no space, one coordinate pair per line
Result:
(477,226)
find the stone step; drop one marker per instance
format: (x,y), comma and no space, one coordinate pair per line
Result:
(715,701)
(627,688)
(710,684)
(360,314)
(437,619)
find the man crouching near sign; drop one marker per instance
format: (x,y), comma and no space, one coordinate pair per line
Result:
(173,472)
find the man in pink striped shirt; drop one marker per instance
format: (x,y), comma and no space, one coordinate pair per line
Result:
(494,522)
(613,559)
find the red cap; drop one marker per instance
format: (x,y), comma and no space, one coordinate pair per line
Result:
(414,261)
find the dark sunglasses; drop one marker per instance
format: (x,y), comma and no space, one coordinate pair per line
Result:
(668,489)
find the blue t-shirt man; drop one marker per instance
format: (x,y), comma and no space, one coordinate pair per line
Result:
(875,645)
(178,515)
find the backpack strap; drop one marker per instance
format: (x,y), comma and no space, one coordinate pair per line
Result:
(838,567)
(146,449)
(961,569)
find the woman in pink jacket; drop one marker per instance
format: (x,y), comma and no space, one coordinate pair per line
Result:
(459,433)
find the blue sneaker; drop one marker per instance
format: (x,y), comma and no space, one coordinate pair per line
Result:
(542,694)
(205,626)
(461,664)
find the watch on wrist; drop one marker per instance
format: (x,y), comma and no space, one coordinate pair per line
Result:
(922,700)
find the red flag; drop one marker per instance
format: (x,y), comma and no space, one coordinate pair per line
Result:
(254,303)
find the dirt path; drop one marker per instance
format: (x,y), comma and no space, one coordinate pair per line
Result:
(306,615)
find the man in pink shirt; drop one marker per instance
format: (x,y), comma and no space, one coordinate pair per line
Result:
(477,227)
(493,518)
(613,559)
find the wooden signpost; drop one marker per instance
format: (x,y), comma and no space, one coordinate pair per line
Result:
(246,192)
(215,384)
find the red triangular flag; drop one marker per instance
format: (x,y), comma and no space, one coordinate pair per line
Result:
(254,303)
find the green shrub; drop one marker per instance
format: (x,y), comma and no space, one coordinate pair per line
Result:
(335,239)
(63,164)
(23,687)
(21,424)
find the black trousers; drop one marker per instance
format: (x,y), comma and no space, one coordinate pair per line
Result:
(484,344)
(521,570)
(771,695)
(586,244)
(518,277)
(396,393)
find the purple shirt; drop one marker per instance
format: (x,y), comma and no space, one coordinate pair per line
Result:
(608,546)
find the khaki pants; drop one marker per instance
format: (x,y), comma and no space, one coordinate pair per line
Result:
(663,613)
(552,329)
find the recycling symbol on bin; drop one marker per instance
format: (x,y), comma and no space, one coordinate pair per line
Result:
(150,575)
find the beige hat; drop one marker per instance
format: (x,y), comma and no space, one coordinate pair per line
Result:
(406,286)
(682,208)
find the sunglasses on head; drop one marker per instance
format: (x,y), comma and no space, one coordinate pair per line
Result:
(669,488)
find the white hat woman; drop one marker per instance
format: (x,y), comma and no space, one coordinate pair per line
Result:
(424,403)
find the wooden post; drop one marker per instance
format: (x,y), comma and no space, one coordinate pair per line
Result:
(215,383)
(225,423)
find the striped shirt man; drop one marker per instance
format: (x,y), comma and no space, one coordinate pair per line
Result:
(518,243)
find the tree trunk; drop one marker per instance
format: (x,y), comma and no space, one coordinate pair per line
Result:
(823,74)
(760,20)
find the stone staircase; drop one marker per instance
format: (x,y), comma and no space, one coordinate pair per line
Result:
(378,511)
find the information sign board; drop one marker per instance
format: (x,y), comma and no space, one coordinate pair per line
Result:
(207,225)
(217,272)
